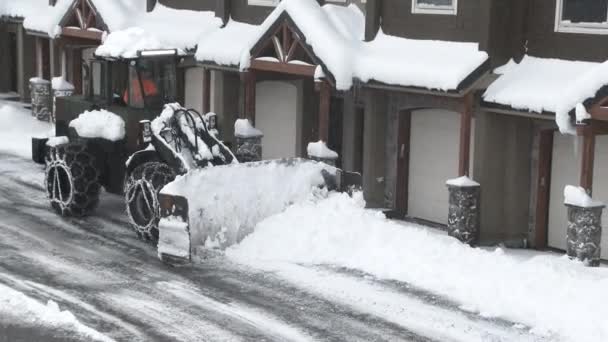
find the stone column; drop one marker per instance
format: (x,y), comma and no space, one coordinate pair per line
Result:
(464,211)
(584,233)
(319,151)
(248,141)
(42,100)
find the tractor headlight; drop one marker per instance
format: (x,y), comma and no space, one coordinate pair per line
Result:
(145,128)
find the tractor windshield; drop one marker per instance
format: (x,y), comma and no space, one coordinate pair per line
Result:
(152,83)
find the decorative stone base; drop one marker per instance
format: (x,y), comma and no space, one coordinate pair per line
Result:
(42,100)
(328,161)
(248,149)
(584,234)
(464,213)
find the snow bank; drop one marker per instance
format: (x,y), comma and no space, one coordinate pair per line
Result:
(320,150)
(577,196)
(548,85)
(226,202)
(244,129)
(550,294)
(99,124)
(21,308)
(18,127)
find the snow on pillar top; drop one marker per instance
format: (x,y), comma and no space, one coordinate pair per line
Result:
(60,83)
(320,150)
(244,129)
(462,182)
(578,197)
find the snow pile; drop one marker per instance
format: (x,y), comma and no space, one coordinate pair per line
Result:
(60,83)
(19,308)
(429,64)
(320,150)
(126,43)
(548,85)
(577,196)
(553,295)
(226,202)
(335,34)
(56,141)
(244,129)
(462,182)
(99,124)
(581,113)
(173,237)
(18,127)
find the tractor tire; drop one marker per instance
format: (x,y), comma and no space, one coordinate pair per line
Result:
(72,179)
(141,197)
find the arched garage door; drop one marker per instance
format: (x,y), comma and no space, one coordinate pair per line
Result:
(565,171)
(434,142)
(278,114)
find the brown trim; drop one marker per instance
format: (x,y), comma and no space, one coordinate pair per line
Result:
(77,70)
(324,109)
(78,33)
(206,91)
(464,154)
(588,159)
(249,83)
(287,68)
(599,112)
(403,161)
(543,187)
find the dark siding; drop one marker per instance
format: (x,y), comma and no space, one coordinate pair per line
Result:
(506,30)
(197,5)
(545,42)
(241,11)
(398,19)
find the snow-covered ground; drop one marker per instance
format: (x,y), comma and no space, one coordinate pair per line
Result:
(17,127)
(557,297)
(17,307)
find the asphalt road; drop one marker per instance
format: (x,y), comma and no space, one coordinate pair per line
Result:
(114,283)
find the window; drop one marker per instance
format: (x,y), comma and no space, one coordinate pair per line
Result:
(449,7)
(582,16)
(263,2)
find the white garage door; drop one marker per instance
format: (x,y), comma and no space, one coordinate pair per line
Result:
(565,171)
(278,114)
(434,140)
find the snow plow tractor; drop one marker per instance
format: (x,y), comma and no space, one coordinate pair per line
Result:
(127,135)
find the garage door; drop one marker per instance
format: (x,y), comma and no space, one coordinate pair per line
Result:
(434,140)
(565,171)
(278,113)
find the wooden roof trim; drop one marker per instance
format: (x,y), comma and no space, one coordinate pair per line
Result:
(78,33)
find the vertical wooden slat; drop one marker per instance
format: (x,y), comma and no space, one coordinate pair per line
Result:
(464,155)
(543,188)
(403,161)
(324,108)
(206,91)
(588,159)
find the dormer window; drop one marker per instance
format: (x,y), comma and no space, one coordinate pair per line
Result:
(449,7)
(582,16)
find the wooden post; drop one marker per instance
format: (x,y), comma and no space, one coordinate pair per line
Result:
(543,187)
(324,108)
(249,83)
(206,91)
(466,116)
(588,159)
(39,57)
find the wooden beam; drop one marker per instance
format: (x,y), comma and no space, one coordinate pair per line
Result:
(464,155)
(598,128)
(543,188)
(403,161)
(78,33)
(599,112)
(324,109)
(39,57)
(206,90)
(249,83)
(287,68)
(588,159)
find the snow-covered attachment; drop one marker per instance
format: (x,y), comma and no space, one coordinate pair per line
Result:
(217,207)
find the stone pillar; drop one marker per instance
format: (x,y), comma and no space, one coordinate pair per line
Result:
(248,148)
(42,101)
(319,151)
(464,211)
(584,233)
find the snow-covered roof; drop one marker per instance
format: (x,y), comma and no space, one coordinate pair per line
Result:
(547,85)
(21,8)
(46,18)
(335,35)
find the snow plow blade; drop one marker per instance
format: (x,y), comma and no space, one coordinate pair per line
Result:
(211,209)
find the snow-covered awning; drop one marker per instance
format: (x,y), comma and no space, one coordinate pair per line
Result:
(334,34)
(543,85)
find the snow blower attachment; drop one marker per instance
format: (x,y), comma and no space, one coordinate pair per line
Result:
(208,210)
